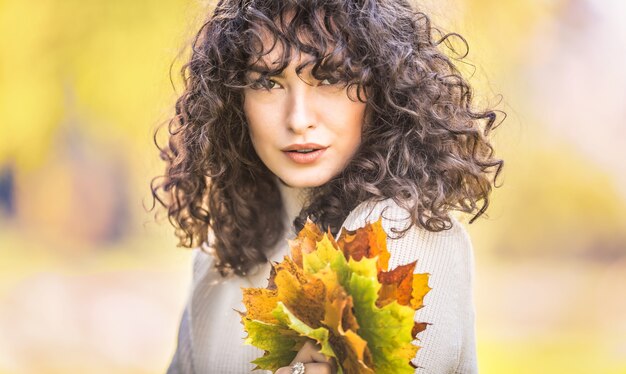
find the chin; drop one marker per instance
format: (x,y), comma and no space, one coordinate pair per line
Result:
(304,182)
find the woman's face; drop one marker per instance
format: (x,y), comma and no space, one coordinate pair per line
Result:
(287,112)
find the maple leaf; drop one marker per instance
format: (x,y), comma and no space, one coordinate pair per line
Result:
(305,241)
(391,326)
(396,285)
(320,334)
(260,303)
(388,330)
(301,293)
(281,344)
(419,290)
(329,264)
(352,352)
(325,254)
(368,241)
(403,285)
(340,294)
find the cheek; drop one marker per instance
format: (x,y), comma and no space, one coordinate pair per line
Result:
(349,126)
(262,117)
(356,121)
(252,115)
(355,111)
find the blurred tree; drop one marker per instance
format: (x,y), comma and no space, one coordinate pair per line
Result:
(7,190)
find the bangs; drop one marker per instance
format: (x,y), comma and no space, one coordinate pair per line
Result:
(278,33)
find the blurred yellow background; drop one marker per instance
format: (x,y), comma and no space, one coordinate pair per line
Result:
(90,283)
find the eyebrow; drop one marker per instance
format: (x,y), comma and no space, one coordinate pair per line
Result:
(262,69)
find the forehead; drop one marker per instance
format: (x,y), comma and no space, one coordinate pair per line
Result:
(277,44)
(268,47)
(270,51)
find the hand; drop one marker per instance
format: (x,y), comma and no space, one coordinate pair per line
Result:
(314,361)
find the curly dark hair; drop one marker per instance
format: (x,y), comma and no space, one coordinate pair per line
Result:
(424,144)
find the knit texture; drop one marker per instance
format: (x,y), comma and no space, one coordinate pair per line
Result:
(210,338)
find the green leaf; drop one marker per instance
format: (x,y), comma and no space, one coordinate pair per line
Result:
(278,341)
(387,330)
(324,254)
(320,334)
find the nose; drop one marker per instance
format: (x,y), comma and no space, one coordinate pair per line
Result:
(301,110)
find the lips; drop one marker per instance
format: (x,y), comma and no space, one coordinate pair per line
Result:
(303,148)
(305,153)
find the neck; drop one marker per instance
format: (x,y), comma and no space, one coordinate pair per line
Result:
(294,199)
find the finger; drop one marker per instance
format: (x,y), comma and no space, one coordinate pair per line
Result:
(305,353)
(310,353)
(309,368)
(317,356)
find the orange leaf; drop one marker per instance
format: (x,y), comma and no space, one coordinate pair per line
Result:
(302,294)
(396,285)
(305,241)
(259,303)
(369,241)
(420,289)
(419,327)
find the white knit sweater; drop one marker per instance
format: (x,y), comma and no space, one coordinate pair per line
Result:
(210,338)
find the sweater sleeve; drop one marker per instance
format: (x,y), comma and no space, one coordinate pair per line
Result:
(448,343)
(182,361)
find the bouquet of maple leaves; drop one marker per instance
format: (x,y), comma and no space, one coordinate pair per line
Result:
(340,294)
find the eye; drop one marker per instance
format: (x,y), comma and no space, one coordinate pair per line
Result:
(329,82)
(263,83)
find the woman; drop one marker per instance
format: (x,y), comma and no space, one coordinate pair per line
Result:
(341,111)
